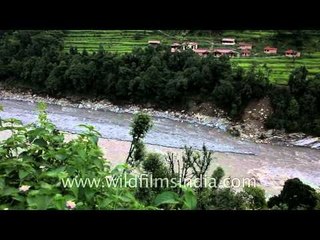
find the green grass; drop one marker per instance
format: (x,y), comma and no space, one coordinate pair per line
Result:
(112,40)
(281,67)
(123,41)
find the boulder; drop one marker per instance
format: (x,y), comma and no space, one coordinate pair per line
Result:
(269,133)
(235,130)
(262,136)
(316,145)
(306,141)
(296,135)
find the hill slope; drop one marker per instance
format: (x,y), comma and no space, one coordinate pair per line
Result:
(123,41)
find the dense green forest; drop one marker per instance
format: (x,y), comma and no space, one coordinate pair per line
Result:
(38,60)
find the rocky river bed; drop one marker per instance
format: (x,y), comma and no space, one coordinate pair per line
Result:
(244,130)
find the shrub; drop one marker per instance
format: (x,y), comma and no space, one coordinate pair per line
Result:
(296,195)
(256,196)
(36,161)
(141,124)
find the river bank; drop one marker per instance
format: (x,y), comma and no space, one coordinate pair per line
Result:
(105,105)
(269,164)
(249,129)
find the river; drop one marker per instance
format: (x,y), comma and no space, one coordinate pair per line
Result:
(270,164)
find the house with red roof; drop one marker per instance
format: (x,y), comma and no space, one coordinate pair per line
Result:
(202,51)
(292,53)
(243,45)
(245,53)
(218,52)
(270,50)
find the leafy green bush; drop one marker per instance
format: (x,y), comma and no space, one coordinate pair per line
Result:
(295,195)
(256,197)
(157,171)
(227,199)
(172,200)
(141,124)
(36,159)
(154,164)
(36,162)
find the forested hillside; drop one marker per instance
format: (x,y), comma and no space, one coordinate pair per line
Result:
(39,60)
(124,41)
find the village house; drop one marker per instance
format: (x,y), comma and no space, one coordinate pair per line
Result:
(202,51)
(292,53)
(245,53)
(270,50)
(244,46)
(154,43)
(218,52)
(175,47)
(228,41)
(189,45)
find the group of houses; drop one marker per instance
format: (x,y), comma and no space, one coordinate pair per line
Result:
(244,49)
(217,52)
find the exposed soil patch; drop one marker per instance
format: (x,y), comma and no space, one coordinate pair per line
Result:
(252,127)
(257,112)
(254,117)
(206,109)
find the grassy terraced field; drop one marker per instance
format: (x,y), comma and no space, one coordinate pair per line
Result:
(118,41)
(123,41)
(282,66)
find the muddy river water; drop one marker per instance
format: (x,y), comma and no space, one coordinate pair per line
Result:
(271,165)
